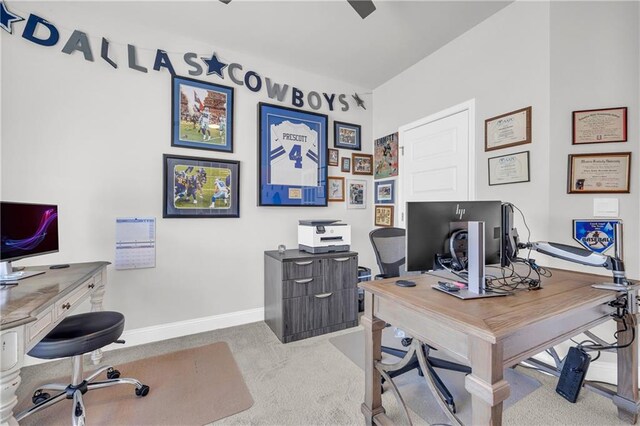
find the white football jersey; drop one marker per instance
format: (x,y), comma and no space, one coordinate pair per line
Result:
(293,155)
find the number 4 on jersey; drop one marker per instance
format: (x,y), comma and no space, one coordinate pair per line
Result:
(296,155)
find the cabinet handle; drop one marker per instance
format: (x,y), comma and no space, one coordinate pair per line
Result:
(308,280)
(66,306)
(323,296)
(91,286)
(341,259)
(304,263)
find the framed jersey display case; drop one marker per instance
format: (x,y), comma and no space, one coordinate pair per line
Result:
(293,157)
(201,115)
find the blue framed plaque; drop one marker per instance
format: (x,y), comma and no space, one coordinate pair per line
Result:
(385,192)
(293,157)
(595,235)
(201,115)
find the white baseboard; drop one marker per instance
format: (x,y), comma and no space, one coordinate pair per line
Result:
(156,333)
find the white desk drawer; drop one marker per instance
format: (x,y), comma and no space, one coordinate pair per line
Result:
(72,300)
(40,327)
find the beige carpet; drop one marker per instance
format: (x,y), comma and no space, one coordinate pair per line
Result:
(190,387)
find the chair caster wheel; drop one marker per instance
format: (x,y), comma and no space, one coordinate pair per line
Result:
(113,374)
(452,407)
(39,396)
(143,391)
(78,411)
(406,341)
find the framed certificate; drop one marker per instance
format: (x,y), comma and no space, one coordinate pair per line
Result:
(599,173)
(510,129)
(293,157)
(600,126)
(510,168)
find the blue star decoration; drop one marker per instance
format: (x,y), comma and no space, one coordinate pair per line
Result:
(7,18)
(214,66)
(359,101)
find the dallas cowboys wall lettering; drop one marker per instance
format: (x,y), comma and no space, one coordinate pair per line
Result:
(40,31)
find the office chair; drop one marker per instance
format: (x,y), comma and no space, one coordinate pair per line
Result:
(389,248)
(75,336)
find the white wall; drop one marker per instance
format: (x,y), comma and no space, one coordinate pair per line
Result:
(503,63)
(90,139)
(558,58)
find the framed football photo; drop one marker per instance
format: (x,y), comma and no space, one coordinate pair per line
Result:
(293,157)
(202,115)
(200,187)
(346,135)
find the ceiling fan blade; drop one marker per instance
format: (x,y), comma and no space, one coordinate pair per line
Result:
(363,7)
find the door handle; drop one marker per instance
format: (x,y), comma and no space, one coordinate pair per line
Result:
(308,280)
(341,259)
(304,263)
(323,296)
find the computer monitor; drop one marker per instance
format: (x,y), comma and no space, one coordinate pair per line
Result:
(26,230)
(436,235)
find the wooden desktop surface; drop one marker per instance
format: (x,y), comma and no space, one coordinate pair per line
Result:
(491,334)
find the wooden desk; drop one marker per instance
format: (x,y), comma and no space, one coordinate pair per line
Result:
(493,334)
(32,309)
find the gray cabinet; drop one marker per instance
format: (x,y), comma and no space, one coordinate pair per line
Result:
(307,294)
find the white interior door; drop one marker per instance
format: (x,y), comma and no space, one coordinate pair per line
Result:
(437,161)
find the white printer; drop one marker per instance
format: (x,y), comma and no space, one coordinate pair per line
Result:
(323,236)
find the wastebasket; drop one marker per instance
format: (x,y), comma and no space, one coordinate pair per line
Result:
(364,274)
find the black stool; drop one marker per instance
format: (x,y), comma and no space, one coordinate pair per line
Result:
(73,337)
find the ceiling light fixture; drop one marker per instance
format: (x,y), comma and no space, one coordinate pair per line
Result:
(363,7)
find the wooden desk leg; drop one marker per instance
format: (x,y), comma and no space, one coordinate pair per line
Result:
(11,359)
(487,387)
(96,306)
(373,327)
(627,397)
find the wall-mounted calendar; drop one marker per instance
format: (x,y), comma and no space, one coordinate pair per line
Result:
(135,242)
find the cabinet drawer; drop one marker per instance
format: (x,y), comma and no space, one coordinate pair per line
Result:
(41,326)
(319,310)
(341,273)
(293,269)
(74,298)
(301,287)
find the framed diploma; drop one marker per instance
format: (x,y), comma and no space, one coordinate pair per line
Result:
(292,163)
(599,173)
(511,168)
(600,125)
(510,129)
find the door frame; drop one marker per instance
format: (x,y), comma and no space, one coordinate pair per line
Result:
(470,107)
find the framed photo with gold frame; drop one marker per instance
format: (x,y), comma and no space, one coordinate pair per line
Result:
(336,188)
(383,216)
(607,173)
(362,164)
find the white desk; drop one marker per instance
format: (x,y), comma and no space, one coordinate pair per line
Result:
(32,309)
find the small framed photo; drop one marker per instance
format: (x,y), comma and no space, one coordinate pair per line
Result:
(200,187)
(383,216)
(336,188)
(345,164)
(292,160)
(346,135)
(385,192)
(362,164)
(607,173)
(510,168)
(510,129)
(333,157)
(201,115)
(357,194)
(600,126)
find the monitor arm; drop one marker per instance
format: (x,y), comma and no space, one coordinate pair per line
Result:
(581,256)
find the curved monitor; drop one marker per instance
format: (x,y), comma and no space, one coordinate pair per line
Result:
(27,230)
(432,224)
